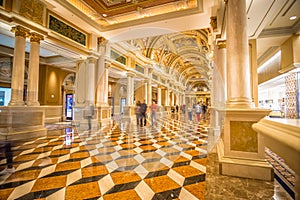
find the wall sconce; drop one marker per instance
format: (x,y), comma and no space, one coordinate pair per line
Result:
(52,96)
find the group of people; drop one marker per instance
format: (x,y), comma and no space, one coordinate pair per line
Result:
(199,110)
(141,113)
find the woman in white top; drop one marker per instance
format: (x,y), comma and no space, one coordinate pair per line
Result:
(198,111)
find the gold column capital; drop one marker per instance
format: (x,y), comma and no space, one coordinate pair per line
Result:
(35,37)
(102,40)
(221,44)
(21,31)
(107,63)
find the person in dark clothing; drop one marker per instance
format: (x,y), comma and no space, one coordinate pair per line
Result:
(138,112)
(143,114)
(177,108)
(204,108)
(90,111)
(9,158)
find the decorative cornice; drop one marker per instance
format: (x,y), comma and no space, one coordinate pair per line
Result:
(21,31)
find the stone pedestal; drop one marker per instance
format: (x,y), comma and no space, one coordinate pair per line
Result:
(19,123)
(241,152)
(104,115)
(129,112)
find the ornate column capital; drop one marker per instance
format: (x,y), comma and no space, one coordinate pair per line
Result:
(21,31)
(130,74)
(91,60)
(102,41)
(35,37)
(213,22)
(107,64)
(221,44)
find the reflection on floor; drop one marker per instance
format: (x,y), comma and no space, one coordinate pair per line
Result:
(124,161)
(162,162)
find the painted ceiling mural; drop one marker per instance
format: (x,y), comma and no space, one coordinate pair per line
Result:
(184,55)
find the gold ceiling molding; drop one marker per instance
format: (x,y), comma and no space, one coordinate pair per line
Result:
(130,10)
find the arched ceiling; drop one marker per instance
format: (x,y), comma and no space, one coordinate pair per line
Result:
(184,55)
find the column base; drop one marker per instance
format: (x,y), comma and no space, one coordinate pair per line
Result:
(239,103)
(33,103)
(104,114)
(244,168)
(21,123)
(129,111)
(16,103)
(241,150)
(24,134)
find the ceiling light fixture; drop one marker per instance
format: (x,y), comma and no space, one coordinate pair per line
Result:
(293,17)
(104,15)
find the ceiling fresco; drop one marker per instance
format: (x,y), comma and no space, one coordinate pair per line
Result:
(184,55)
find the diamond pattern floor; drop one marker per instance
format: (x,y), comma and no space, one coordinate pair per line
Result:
(123,161)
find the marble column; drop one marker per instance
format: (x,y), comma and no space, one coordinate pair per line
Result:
(17,79)
(149,90)
(91,80)
(102,71)
(159,95)
(146,91)
(33,72)
(105,77)
(167,96)
(238,66)
(221,70)
(241,150)
(130,91)
(172,98)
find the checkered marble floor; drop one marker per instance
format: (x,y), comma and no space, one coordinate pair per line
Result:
(124,161)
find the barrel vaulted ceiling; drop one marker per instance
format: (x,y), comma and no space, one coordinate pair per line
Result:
(183,55)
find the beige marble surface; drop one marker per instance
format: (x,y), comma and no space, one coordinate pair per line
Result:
(220,187)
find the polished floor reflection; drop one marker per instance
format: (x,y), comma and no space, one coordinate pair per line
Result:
(124,161)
